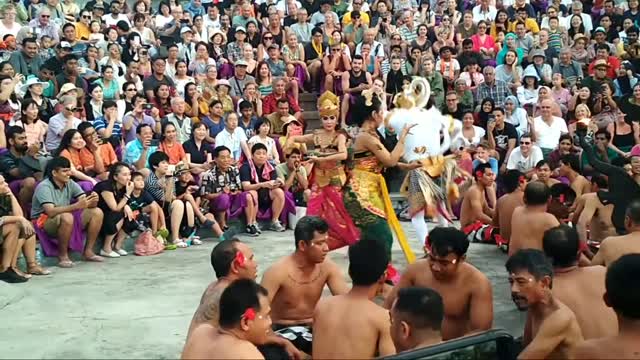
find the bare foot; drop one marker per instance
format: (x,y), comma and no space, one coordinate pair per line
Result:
(90,256)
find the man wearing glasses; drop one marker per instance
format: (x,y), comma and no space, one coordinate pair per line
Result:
(357,6)
(42,25)
(466,292)
(62,122)
(525,157)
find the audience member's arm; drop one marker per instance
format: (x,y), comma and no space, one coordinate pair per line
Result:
(141,163)
(83,202)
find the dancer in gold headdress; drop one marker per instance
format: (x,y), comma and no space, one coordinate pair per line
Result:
(328,175)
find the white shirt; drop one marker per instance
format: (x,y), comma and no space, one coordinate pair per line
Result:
(547,137)
(488,16)
(517,161)
(110,21)
(376,49)
(232,140)
(586,20)
(460,141)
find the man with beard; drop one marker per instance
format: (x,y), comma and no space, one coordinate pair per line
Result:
(466,292)
(416,318)
(295,282)
(551,330)
(364,325)
(580,288)
(353,83)
(231,260)
(529,222)
(623,295)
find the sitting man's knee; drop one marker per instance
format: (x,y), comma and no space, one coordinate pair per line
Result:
(277,193)
(65,219)
(28,183)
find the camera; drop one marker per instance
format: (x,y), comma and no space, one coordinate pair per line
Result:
(154,142)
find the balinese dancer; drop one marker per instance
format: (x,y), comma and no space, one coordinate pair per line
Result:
(431,187)
(328,175)
(366,196)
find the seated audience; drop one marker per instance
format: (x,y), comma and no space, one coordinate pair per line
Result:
(138,116)
(138,151)
(293,175)
(198,152)
(170,145)
(525,157)
(141,202)
(234,138)
(61,122)
(96,144)
(262,130)
(71,147)
(179,119)
(55,215)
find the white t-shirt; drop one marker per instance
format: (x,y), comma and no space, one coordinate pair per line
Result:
(517,161)
(110,21)
(232,140)
(547,137)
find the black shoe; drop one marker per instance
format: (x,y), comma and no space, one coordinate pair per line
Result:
(11,276)
(256,228)
(251,230)
(225,228)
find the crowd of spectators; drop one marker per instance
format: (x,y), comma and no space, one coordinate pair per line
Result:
(189,104)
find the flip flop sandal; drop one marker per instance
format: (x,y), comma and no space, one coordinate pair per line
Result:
(38,270)
(66,264)
(196,241)
(181,244)
(26,276)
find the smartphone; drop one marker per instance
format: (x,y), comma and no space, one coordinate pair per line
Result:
(171,168)
(147,106)
(155,142)
(184,21)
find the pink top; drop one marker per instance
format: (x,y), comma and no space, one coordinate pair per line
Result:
(488,42)
(35,131)
(562,96)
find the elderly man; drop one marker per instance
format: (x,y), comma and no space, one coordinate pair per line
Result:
(270,102)
(302,28)
(492,88)
(137,152)
(42,25)
(369,38)
(179,119)
(570,69)
(239,80)
(27,61)
(61,122)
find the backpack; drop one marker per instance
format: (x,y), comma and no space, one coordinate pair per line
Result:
(147,245)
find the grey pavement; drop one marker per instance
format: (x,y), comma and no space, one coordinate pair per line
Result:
(140,307)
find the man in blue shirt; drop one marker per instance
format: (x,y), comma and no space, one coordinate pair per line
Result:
(137,152)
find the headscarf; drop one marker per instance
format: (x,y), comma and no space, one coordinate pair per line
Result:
(483,117)
(505,48)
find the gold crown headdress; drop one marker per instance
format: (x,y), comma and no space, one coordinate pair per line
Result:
(328,104)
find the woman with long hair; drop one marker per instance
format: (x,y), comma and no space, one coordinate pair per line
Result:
(293,53)
(198,152)
(34,89)
(576,26)
(114,195)
(501,22)
(200,32)
(132,45)
(30,121)
(581,96)
(162,100)
(170,145)
(73,147)
(109,83)
(483,43)
(93,107)
(625,134)
(163,16)
(181,79)
(90,60)
(198,66)
(582,116)
(145,63)
(264,79)
(267,40)
(114,59)
(9,103)
(248,56)
(469,135)
(262,129)
(253,34)
(510,71)
(195,104)
(209,84)
(559,93)
(422,41)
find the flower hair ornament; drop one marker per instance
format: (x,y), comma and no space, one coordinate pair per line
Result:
(249,314)
(479,173)
(522,179)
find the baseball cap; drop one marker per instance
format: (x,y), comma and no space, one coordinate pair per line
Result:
(600,29)
(241,28)
(241,63)
(64,45)
(185,29)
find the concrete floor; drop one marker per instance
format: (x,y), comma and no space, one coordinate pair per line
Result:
(140,307)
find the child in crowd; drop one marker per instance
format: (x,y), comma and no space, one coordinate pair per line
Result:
(46,47)
(222,89)
(142,205)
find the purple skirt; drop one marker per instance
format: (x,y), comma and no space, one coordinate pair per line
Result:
(289,208)
(49,244)
(232,204)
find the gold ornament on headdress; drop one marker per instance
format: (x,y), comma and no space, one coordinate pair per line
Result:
(405,99)
(329,104)
(368,96)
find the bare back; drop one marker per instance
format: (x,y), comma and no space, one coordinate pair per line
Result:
(614,347)
(206,342)
(346,327)
(505,207)
(468,299)
(612,248)
(208,310)
(581,289)
(294,293)
(581,186)
(528,226)
(554,334)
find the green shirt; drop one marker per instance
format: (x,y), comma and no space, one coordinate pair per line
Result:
(283,172)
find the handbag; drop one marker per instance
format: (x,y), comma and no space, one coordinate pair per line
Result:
(147,245)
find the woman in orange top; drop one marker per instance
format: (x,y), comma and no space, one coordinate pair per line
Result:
(170,145)
(70,147)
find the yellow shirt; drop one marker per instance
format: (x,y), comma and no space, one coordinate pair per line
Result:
(530,24)
(346,19)
(82,31)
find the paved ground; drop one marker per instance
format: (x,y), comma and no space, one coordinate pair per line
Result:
(140,307)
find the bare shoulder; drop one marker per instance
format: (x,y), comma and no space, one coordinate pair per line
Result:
(476,277)
(589,349)
(416,267)
(330,265)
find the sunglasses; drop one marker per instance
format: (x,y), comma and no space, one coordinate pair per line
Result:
(45,16)
(74,109)
(132,89)
(268,37)
(525,143)
(86,16)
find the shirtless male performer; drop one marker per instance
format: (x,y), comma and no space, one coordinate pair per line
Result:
(623,295)
(465,290)
(416,318)
(551,330)
(352,326)
(543,173)
(570,168)
(475,212)
(580,288)
(295,282)
(233,260)
(591,213)
(514,183)
(244,324)
(530,221)
(614,247)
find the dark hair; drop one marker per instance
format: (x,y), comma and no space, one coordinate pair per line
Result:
(260,122)
(481,168)
(621,284)
(222,256)
(127,83)
(108,104)
(632,29)
(115,169)
(156,158)
(142,126)
(511,180)
(542,163)
(282,101)
(600,181)
(244,104)
(219,149)
(66,141)
(446,240)
(68,25)
(536,193)
(258,146)
(164,128)
(138,16)
(368,260)
(423,307)
(69,57)
(236,299)
(561,245)
(316,30)
(29,40)
(358,57)
(84,126)
(26,102)
(565,137)
(572,161)
(499,109)
(57,163)
(605,133)
(14,130)
(362,111)
(135,174)
(633,211)
(532,260)
(293,151)
(307,227)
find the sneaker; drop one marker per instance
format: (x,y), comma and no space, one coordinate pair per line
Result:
(251,230)
(11,276)
(256,227)
(276,226)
